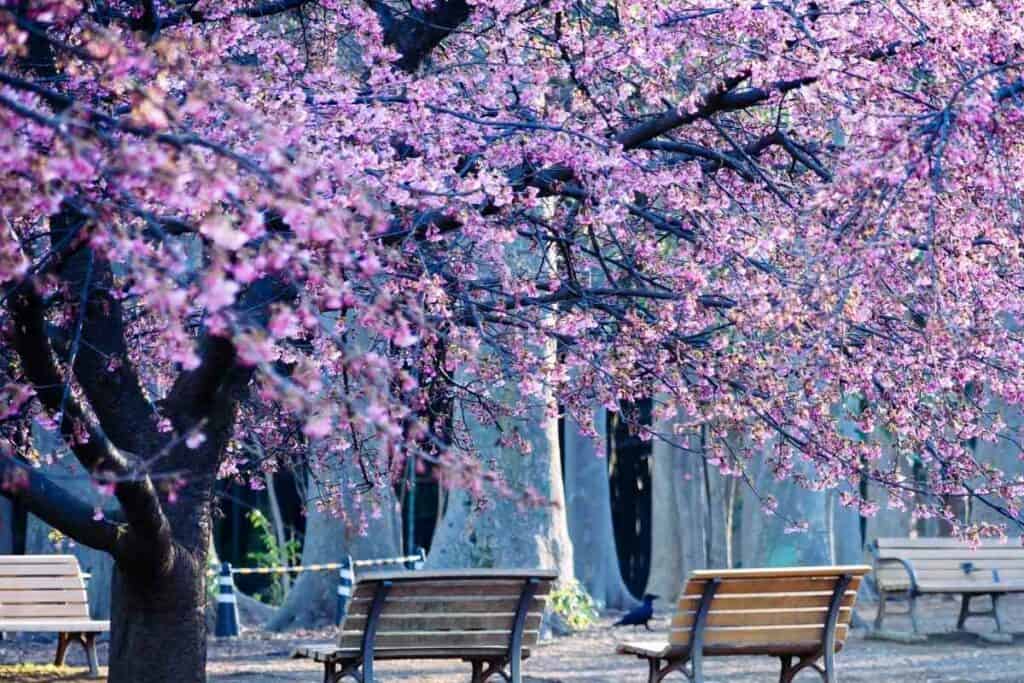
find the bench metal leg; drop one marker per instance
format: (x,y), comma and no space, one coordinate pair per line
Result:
(62,649)
(657,673)
(88,643)
(880,617)
(478,670)
(965,610)
(995,612)
(789,671)
(90,652)
(913,613)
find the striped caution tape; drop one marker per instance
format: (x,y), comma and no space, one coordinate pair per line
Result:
(330,566)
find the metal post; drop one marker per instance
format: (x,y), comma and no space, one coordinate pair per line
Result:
(421,560)
(370,633)
(829,637)
(345,581)
(697,631)
(227,604)
(515,647)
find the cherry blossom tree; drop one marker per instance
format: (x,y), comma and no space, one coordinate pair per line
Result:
(765,212)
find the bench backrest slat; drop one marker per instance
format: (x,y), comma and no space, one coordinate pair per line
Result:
(767,607)
(42,587)
(445,610)
(943,560)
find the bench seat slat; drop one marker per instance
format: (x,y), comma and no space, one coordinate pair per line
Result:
(45,582)
(38,559)
(433,639)
(47,569)
(759,635)
(44,609)
(664,650)
(54,625)
(10,597)
(331,653)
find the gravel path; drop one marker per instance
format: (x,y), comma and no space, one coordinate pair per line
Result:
(947,657)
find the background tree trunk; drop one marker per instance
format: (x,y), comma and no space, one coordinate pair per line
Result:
(765,540)
(588,506)
(498,531)
(312,599)
(691,505)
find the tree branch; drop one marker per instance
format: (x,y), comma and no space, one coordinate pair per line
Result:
(134,490)
(55,506)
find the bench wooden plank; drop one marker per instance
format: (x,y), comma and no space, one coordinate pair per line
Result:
(55,625)
(10,597)
(44,609)
(48,569)
(769,617)
(483,575)
(762,586)
(944,542)
(774,573)
(427,605)
(769,600)
(759,635)
(427,640)
(41,582)
(453,621)
(37,559)
(334,654)
(453,590)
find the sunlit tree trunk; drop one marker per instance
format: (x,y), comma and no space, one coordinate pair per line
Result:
(588,505)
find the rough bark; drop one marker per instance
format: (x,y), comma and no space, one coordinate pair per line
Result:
(766,542)
(690,512)
(369,526)
(588,506)
(498,531)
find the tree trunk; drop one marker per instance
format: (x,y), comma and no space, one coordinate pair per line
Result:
(368,529)
(766,540)
(690,516)
(596,560)
(498,531)
(158,623)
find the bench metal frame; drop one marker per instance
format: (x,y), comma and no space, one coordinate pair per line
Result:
(88,643)
(914,591)
(694,656)
(509,667)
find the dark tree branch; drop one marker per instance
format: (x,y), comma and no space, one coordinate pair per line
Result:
(419,31)
(102,366)
(134,491)
(55,506)
(724,99)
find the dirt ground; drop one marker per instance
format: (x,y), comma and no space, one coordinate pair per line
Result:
(947,657)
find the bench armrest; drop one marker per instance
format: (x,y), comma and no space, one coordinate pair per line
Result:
(906,564)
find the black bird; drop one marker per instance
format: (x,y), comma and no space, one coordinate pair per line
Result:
(640,614)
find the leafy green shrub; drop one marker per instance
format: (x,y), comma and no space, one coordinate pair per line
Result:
(574,605)
(272,555)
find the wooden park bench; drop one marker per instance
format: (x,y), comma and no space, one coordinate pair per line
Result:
(487,617)
(911,567)
(800,613)
(47,593)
